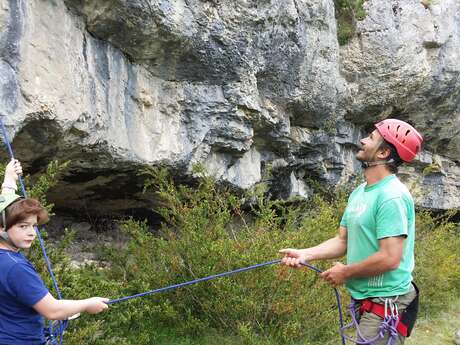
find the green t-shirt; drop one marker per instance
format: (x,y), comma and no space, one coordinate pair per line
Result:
(384,209)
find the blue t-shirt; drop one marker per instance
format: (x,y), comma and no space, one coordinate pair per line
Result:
(20,288)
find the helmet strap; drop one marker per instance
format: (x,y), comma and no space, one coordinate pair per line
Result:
(4,219)
(5,238)
(366,165)
(4,234)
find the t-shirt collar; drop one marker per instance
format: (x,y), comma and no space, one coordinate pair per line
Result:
(380,183)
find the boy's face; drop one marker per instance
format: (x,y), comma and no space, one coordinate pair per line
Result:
(369,147)
(23,234)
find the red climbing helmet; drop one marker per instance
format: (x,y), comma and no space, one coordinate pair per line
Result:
(402,136)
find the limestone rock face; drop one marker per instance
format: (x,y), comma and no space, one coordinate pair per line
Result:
(237,86)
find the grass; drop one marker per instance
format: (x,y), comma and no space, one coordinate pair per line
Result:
(438,330)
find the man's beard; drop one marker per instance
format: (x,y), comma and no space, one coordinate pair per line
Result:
(359,157)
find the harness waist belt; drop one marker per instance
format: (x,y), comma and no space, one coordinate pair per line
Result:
(378,309)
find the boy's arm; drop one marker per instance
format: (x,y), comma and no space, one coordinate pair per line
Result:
(54,309)
(12,171)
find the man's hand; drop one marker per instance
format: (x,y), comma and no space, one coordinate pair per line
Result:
(336,275)
(294,257)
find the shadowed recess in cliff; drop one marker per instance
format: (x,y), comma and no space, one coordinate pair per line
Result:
(37,142)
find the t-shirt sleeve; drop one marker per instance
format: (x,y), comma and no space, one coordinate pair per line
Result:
(343,221)
(26,284)
(392,219)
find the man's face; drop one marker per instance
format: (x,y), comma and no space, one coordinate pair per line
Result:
(369,147)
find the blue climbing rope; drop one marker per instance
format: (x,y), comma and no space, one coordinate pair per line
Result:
(175,286)
(239,270)
(53,332)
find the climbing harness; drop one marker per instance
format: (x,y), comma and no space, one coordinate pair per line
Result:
(393,322)
(54,332)
(175,286)
(390,320)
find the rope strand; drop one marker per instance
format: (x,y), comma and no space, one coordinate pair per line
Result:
(175,286)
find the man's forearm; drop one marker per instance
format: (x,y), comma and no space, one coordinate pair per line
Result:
(375,264)
(333,248)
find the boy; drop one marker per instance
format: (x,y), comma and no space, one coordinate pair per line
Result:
(24,299)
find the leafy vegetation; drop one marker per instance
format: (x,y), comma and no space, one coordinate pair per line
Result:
(432,168)
(207,230)
(347,13)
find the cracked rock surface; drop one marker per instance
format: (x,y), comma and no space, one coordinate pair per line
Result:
(239,87)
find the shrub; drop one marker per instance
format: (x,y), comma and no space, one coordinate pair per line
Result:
(437,261)
(347,13)
(205,232)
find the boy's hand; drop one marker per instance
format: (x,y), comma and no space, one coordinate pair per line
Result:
(13,170)
(96,305)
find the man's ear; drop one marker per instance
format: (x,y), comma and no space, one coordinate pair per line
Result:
(383,153)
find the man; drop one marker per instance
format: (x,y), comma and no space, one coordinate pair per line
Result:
(376,233)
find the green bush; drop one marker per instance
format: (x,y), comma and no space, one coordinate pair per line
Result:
(205,232)
(347,13)
(437,260)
